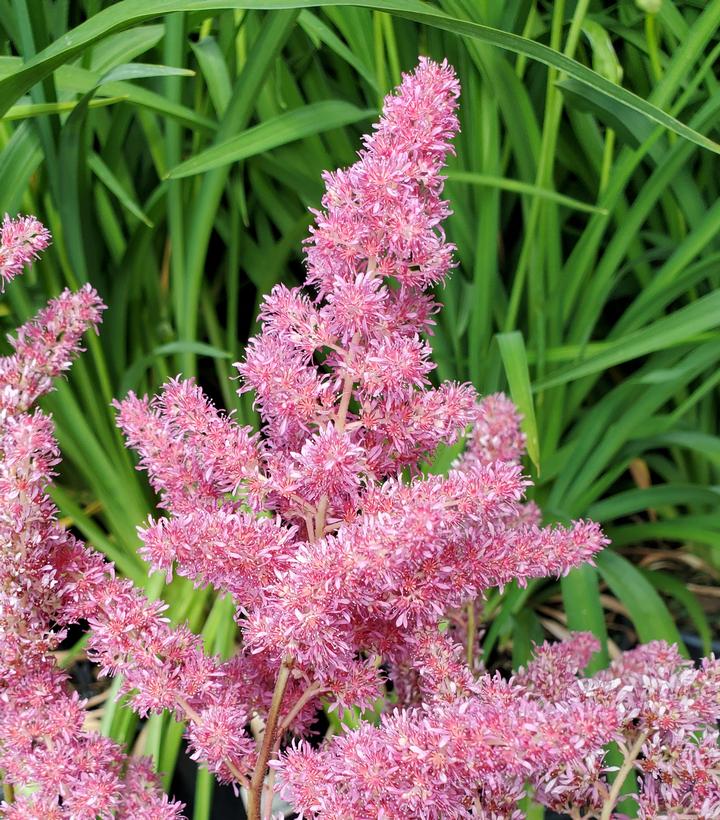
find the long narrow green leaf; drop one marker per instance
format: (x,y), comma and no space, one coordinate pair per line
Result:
(675,588)
(637,500)
(518,187)
(581,597)
(512,350)
(680,327)
(141,71)
(135,372)
(649,614)
(126,13)
(314,118)
(113,184)
(24,112)
(688,528)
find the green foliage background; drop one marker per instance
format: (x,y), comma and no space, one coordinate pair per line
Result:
(173,147)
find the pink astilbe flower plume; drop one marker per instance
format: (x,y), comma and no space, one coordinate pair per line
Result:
(193,453)
(45,346)
(351,568)
(56,768)
(21,240)
(337,551)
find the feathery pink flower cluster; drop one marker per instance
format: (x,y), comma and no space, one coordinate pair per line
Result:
(55,767)
(343,557)
(337,550)
(665,712)
(21,240)
(356,557)
(476,747)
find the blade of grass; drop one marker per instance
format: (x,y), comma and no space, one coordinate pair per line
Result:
(113,184)
(313,118)
(581,597)
(519,187)
(675,588)
(512,351)
(23,112)
(647,611)
(126,13)
(678,328)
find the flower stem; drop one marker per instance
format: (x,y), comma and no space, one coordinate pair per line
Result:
(258,778)
(268,740)
(320,517)
(621,777)
(340,421)
(471,635)
(346,392)
(311,692)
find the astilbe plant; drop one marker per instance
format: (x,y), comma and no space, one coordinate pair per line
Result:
(351,568)
(51,767)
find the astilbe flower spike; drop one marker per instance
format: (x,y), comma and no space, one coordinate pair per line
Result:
(351,568)
(21,240)
(51,766)
(337,551)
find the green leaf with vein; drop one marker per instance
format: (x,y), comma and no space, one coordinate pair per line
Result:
(113,184)
(700,529)
(512,351)
(143,71)
(24,112)
(516,186)
(581,597)
(639,499)
(647,610)
(682,326)
(134,373)
(675,588)
(293,125)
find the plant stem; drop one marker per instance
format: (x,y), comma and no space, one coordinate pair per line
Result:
(471,634)
(607,160)
(347,391)
(621,777)
(268,740)
(653,48)
(340,421)
(320,517)
(258,778)
(311,692)
(269,786)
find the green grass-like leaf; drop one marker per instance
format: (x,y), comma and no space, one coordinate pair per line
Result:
(285,128)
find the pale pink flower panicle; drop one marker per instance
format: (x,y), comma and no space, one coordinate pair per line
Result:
(471,748)
(48,580)
(337,548)
(193,454)
(45,346)
(383,213)
(373,253)
(21,240)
